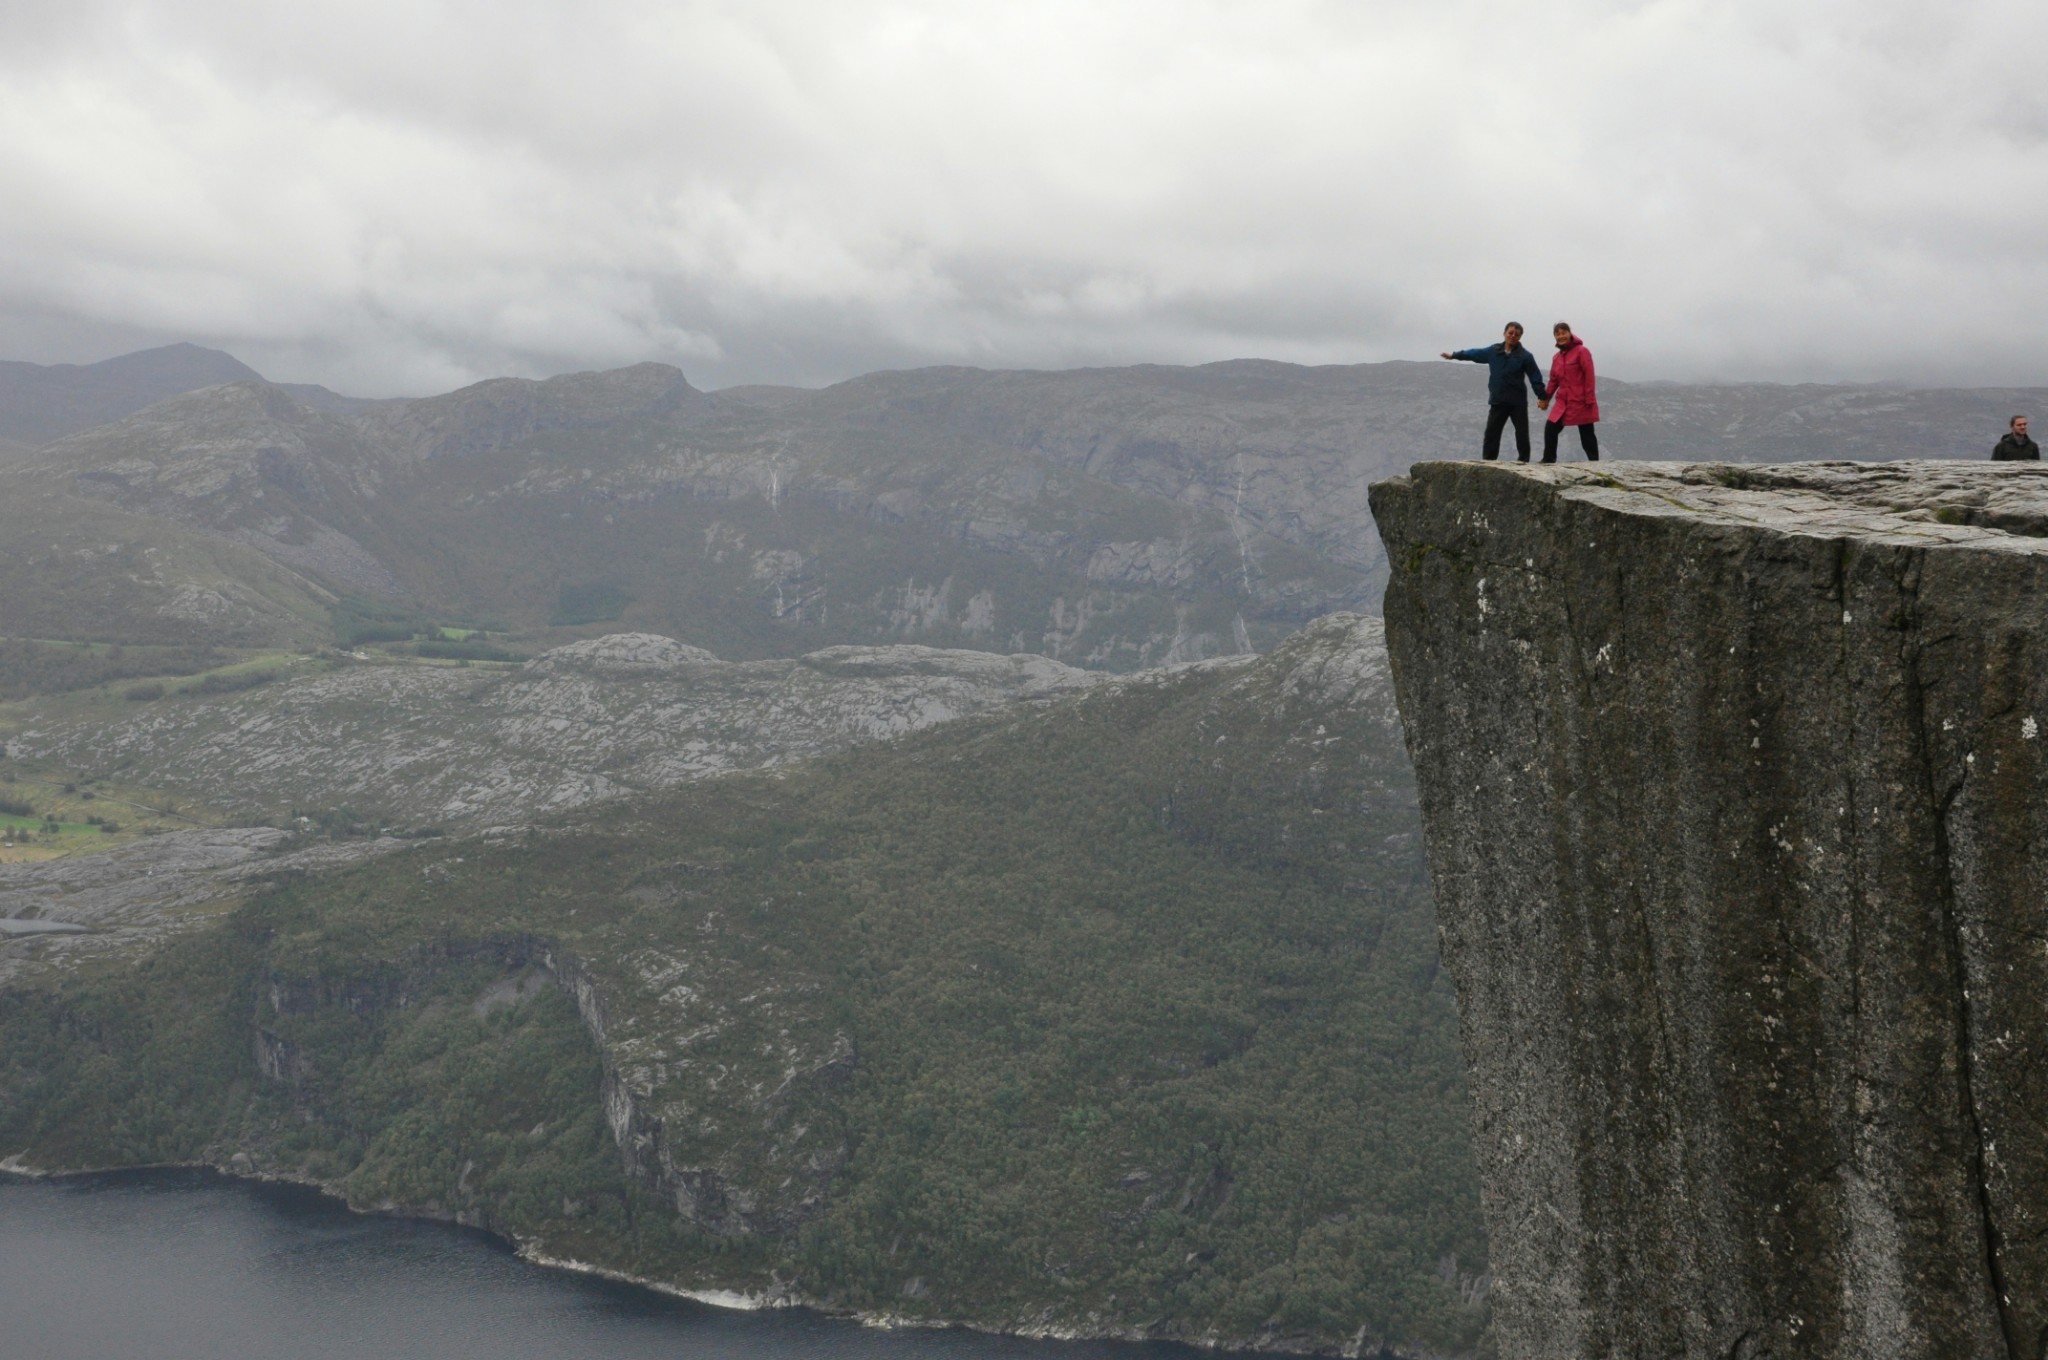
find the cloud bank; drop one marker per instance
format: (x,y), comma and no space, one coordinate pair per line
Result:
(400,197)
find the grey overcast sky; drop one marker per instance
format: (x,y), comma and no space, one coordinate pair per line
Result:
(397,196)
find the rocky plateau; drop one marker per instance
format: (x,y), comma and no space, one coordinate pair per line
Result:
(435,746)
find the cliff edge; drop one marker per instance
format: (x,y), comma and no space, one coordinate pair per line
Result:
(1733,785)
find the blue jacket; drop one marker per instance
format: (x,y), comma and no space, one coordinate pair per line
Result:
(1505,372)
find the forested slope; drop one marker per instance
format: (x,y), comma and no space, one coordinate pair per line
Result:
(1119,1013)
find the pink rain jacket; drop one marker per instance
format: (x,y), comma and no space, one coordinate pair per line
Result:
(1572,401)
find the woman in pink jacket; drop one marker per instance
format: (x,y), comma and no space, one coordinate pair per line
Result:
(1572,398)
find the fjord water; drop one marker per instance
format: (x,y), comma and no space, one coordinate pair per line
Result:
(175,1265)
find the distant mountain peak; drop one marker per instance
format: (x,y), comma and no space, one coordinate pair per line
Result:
(181,360)
(43,402)
(499,412)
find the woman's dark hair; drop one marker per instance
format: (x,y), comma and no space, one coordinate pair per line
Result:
(1564,326)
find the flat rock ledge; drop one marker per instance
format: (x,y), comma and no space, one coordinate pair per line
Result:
(1736,798)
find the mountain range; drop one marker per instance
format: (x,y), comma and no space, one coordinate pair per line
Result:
(42,402)
(1109,518)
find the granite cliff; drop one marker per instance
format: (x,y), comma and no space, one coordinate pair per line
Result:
(1733,786)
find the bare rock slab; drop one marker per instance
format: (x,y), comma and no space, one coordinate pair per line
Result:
(1736,796)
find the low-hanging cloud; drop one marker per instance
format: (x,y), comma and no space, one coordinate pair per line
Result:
(399,197)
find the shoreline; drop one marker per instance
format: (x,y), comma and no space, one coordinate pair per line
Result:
(532,1252)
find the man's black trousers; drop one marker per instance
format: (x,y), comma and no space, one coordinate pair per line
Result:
(1588,441)
(1497,416)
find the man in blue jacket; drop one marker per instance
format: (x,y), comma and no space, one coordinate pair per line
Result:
(1510,372)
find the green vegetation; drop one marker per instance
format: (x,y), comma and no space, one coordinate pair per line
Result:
(406,632)
(359,622)
(348,823)
(470,649)
(228,682)
(596,602)
(42,680)
(75,569)
(51,836)
(45,814)
(363,623)
(31,667)
(1125,1008)
(359,635)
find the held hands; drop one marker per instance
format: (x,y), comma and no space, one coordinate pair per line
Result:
(1543,405)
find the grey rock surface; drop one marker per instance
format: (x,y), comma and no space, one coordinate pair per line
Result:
(425,745)
(1733,783)
(58,914)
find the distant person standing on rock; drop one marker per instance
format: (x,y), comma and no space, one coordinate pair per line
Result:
(1572,393)
(1510,372)
(2016,447)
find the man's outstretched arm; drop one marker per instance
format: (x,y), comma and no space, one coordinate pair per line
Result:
(1470,356)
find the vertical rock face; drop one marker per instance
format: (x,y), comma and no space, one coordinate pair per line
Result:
(1736,795)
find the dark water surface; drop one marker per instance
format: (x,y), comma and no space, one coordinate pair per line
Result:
(170,1265)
